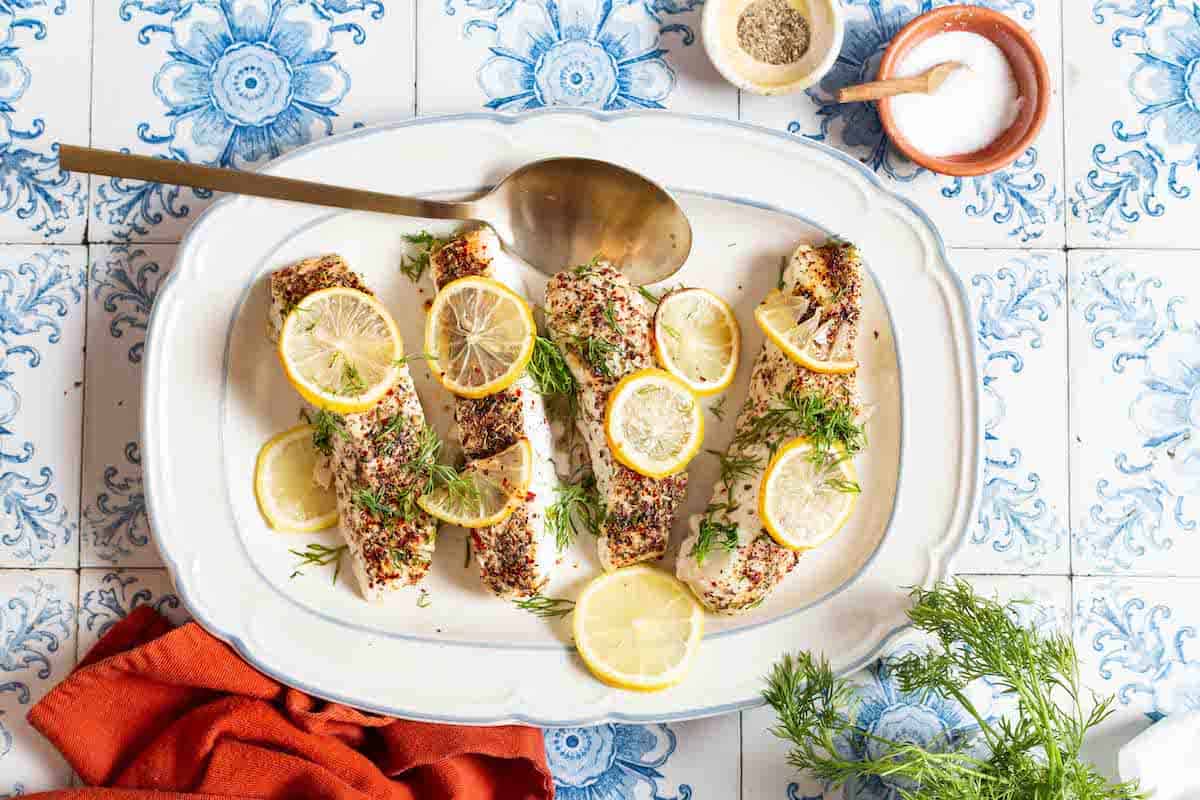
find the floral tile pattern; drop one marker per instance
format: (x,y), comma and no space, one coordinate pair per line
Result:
(124,281)
(42,308)
(1018,206)
(1133,127)
(37,628)
(107,596)
(1135,380)
(1021,338)
(234,84)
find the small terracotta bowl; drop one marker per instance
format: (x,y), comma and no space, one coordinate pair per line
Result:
(1029,69)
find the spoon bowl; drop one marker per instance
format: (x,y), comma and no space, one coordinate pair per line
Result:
(553,214)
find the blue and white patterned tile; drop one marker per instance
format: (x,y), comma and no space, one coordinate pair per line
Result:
(45,58)
(1019,206)
(42,309)
(234,84)
(648,762)
(37,626)
(1134,127)
(107,596)
(513,55)
(885,710)
(1021,339)
(124,282)
(1135,412)
(1137,640)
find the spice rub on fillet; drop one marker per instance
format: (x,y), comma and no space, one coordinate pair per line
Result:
(515,556)
(602,325)
(729,560)
(390,544)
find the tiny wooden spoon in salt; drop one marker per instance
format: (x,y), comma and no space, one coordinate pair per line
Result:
(927,82)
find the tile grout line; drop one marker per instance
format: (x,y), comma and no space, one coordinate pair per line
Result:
(83,396)
(1067,271)
(1062,61)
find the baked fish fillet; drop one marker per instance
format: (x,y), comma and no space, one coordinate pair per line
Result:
(369,452)
(729,581)
(602,325)
(517,555)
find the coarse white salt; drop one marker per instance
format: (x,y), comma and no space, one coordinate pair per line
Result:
(970,109)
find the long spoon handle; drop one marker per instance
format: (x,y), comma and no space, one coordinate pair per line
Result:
(877,90)
(255,184)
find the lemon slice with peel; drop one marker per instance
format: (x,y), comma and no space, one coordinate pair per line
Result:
(638,628)
(481,334)
(697,339)
(339,348)
(803,501)
(654,423)
(486,492)
(286,483)
(793,324)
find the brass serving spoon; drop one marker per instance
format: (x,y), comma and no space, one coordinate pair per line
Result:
(927,83)
(553,213)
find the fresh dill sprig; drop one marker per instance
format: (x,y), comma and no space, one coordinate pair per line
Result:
(327,425)
(352,379)
(391,433)
(783,265)
(843,485)
(546,607)
(713,535)
(718,408)
(404,361)
(549,369)
(586,269)
(735,468)
(427,244)
(575,505)
(373,502)
(672,331)
(318,555)
(1034,752)
(595,352)
(423,599)
(610,316)
(649,295)
(826,423)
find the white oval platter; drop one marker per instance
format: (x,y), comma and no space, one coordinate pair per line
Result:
(214,392)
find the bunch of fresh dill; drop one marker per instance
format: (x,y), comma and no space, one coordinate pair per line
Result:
(1031,754)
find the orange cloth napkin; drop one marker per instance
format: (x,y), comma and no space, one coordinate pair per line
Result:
(157,712)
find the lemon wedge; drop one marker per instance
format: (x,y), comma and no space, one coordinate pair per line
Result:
(285,483)
(654,423)
(793,324)
(339,348)
(481,334)
(486,492)
(802,503)
(697,339)
(637,628)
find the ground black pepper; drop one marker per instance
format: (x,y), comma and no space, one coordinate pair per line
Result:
(773,31)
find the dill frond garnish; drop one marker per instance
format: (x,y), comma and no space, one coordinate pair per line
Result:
(718,408)
(824,422)
(735,468)
(576,505)
(843,485)
(373,502)
(546,607)
(404,361)
(783,263)
(649,295)
(1033,752)
(352,379)
(327,425)
(711,535)
(318,555)
(595,352)
(549,369)
(672,331)
(610,316)
(426,245)
(423,599)
(584,270)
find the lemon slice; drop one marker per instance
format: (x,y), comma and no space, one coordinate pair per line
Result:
(339,348)
(481,334)
(803,504)
(486,492)
(653,423)
(285,483)
(696,339)
(783,319)
(637,628)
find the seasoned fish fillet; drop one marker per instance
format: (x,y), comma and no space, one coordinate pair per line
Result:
(602,325)
(370,451)
(730,581)
(515,556)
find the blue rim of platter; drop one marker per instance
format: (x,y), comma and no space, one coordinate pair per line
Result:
(190,240)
